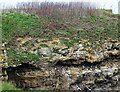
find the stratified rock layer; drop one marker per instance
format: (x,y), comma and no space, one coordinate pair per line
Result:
(78,54)
(101,76)
(75,68)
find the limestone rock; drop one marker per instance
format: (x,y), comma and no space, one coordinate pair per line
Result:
(78,47)
(63,51)
(107,46)
(116,45)
(45,51)
(79,55)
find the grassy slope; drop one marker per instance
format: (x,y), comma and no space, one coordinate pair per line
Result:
(25,24)
(48,27)
(18,24)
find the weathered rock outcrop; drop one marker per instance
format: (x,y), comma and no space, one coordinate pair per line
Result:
(76,68)
(81,54)
(3,64)
(103,76)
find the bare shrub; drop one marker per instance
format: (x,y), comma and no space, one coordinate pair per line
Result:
(81,9)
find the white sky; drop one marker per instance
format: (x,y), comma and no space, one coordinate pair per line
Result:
(107,4)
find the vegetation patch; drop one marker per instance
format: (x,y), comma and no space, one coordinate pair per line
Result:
(17,24)
(8,87)
(17,57)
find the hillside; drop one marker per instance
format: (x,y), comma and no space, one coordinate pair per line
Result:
(23,30)
(58,46)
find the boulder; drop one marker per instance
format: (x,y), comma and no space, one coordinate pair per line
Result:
(45,51)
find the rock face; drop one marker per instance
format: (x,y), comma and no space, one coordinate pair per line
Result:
(76,68)
(102,76)
(3,64)
(80,54)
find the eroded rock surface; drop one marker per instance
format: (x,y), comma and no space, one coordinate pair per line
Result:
(3,64)
(75,68)
(81,54)
(102,76)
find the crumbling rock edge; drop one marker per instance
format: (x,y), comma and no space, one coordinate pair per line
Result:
(79,54)
(82,71)
(102,76)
